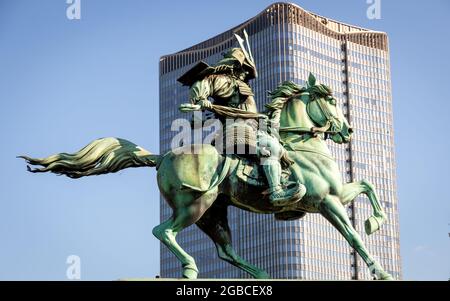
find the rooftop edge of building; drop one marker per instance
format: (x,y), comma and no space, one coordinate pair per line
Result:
(327,25)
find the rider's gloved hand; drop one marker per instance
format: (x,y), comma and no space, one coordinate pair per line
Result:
(205,104)
(264,151)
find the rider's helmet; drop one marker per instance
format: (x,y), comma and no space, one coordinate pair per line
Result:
(236,56)
(238,60)
(240,56)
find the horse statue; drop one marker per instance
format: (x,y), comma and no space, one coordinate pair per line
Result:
(199,186)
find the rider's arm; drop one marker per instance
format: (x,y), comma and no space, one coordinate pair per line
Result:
(200,91)
(211,86)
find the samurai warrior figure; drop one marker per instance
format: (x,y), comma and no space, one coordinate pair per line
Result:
(227,83)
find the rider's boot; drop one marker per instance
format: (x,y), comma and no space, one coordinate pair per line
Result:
(277,195)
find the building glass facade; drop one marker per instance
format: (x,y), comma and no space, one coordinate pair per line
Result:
(288,43)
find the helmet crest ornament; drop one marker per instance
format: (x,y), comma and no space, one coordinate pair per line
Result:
(246,49)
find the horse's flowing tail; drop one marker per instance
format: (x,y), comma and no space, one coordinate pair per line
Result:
(101,156)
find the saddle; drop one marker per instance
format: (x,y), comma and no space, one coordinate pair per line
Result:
(251,173)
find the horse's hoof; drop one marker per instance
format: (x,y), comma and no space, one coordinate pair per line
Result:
(383,276)
(371,225)
(190,273)
(262,275)
(386,276)
(378,273)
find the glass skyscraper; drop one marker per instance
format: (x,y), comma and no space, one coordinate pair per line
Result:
(288,43)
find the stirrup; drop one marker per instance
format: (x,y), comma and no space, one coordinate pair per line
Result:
(289,196)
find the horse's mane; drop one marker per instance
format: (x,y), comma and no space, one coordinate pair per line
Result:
(288,89)
(282,94)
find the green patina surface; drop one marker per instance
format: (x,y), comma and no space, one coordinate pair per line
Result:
(199,187)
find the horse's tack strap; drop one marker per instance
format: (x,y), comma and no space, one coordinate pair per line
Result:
(223,173)
(304,149)
(298,129)
(312,131)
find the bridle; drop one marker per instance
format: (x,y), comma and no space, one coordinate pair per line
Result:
(316,131)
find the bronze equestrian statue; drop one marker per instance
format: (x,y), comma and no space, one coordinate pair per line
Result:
(291,171)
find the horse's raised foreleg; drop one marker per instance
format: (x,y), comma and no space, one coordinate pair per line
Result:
(215,224)
(189,211)
(351,190)
(333,210)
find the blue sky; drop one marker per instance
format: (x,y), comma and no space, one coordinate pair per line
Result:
(64,83)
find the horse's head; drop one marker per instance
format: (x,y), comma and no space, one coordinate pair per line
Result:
(323,110)
(316,111)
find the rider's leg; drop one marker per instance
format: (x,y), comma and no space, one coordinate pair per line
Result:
(278,195)
(270,152)
(272,170)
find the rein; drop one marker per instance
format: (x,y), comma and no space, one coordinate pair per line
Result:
(289,147)
(314,131)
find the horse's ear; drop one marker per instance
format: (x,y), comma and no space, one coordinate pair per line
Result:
(311,80)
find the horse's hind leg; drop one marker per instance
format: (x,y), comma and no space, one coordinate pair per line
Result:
(351,190)
(215,224)
(333,210)
(184,217)
(166,233)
